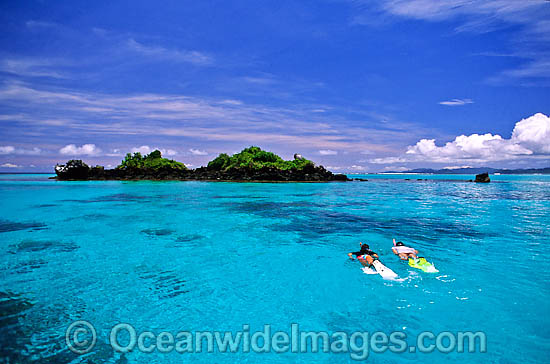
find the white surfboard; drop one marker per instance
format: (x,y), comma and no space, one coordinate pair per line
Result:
(384,271)
(368,270)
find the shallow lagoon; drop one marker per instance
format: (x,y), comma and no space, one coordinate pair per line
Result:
(172,256)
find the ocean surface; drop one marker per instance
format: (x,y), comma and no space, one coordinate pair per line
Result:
(201,256)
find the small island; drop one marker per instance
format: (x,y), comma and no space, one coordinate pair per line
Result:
(251,164)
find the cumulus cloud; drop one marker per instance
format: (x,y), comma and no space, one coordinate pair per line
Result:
(457,102)
(395,169)
(534,133)
(387,160)
(328,152)
(358,168)
(9,165)
(145,149)
(9,149)
(198,152)
(86,149)
(530,139)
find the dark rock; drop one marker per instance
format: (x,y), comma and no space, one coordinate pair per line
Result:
(73,169)
(483,178)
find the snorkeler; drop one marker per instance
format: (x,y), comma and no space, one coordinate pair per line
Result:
(364,255)
(403,251)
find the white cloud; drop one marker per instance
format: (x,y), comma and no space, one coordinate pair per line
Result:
(456,102)
(145,149)
(435,10)
(199,119)
(86,149)
(198,152)
(530,139)
(193,57)
(387,160)
(328,152)
(358,168)
(8,149)
(115,153)
(456,167)
(32,67)
(534,133)
(527,19)
(231,102)
(396,169)
(10,165)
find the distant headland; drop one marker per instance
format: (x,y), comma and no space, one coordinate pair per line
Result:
(474,170)
(251,164)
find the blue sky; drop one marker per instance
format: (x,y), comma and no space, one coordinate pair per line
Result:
(358,86)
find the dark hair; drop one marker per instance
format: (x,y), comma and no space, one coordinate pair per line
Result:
(399,244)
(364,247)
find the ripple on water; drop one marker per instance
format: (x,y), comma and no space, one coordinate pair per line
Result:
(166,284)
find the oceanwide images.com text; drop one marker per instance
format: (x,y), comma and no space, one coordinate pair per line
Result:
(81,337)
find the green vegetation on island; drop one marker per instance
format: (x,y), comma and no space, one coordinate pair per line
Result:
(251,164)
(152,160)
(256,158)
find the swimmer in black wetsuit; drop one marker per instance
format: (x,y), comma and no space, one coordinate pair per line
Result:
(365,255)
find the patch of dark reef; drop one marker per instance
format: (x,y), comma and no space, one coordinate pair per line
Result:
(33,333)
(117,197)
(7,226)
(250,165)
(41,245)
(12,343)
(311,223)
(28,266)
(157,232)
(188,238)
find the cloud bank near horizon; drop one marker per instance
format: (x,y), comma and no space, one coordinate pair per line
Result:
(358,85)
(530,140)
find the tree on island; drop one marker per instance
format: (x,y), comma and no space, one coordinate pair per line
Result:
(152,160)
(251,164)
(256,158)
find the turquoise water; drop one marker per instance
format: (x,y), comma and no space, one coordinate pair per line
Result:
(173,256)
